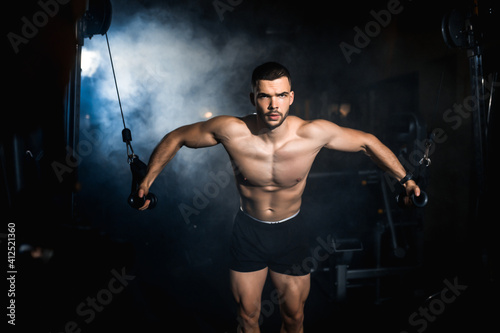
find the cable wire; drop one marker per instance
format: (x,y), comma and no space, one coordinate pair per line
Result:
(126,134)
(116,84)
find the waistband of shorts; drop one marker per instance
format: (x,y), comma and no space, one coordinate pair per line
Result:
(270,222)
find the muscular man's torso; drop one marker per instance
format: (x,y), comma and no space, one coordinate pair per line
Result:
(270,174)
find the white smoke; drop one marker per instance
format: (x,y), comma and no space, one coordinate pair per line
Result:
(90,62)
(168,73)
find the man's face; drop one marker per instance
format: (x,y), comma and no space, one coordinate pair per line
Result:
(272,100)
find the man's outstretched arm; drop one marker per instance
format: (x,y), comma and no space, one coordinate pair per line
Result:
(197,135)
(346,139)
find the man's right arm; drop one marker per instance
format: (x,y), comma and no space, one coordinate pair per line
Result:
(197,135)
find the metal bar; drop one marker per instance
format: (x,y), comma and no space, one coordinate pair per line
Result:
(341,284)
(370,273)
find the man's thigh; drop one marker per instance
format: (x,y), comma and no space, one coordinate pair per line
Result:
(292,290)
(247,287)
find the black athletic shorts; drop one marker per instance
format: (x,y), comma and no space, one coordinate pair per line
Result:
(283,247)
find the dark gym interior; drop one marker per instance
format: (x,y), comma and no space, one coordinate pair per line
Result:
(422,76)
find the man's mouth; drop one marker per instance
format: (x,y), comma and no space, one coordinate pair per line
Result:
(273,116)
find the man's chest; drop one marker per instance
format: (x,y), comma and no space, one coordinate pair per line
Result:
(262,164)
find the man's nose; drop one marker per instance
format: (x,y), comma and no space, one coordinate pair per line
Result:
(273,103)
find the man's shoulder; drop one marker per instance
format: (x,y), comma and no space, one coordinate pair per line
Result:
(308,123)
(225,121)
(312,127)
(228,126)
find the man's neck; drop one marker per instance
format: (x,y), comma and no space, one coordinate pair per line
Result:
(273,135)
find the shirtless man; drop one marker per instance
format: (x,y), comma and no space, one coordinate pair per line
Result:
(272,154)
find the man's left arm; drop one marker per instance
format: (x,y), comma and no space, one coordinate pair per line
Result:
(351,140)
(387,161)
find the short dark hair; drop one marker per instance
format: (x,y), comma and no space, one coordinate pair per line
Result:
(270,71)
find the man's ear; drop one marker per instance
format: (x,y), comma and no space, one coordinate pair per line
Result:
(292,96)
(252,98)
